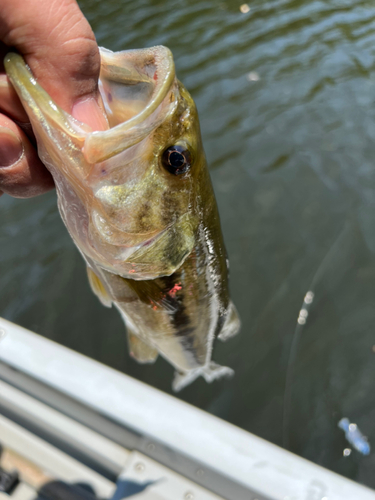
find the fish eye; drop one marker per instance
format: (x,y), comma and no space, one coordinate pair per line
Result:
(176,159)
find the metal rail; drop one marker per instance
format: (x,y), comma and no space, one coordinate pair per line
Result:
(224,459)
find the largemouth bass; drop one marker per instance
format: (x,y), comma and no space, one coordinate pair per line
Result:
(138,202)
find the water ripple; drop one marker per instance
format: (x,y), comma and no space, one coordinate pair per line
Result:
(286,99)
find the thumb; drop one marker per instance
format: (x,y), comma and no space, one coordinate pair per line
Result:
(58,44)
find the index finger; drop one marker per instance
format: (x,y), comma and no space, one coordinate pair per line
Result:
(58,44)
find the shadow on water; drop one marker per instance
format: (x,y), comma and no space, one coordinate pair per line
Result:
(286,98)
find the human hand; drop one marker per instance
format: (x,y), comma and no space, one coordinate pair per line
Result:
(59,46)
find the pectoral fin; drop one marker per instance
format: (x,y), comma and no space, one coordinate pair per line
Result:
(139,350)
(98,288)
(169,250)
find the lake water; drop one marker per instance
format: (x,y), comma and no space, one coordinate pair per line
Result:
(286,98)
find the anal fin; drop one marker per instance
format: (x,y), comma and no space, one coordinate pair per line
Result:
(139,350)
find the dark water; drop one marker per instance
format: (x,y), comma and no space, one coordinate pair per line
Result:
(291,150)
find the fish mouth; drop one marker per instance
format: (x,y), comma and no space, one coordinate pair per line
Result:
(148,73)
(127,78)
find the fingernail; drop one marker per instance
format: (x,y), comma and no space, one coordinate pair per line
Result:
(89,112)
(11,148)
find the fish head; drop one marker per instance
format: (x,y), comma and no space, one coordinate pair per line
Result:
(131,195)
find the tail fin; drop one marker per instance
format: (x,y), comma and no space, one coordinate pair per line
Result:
(210,373)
